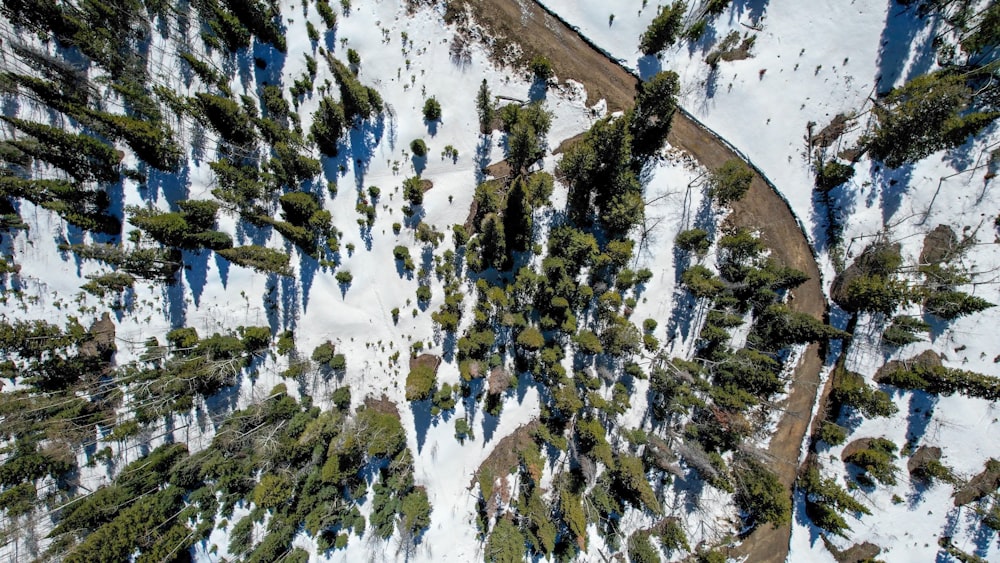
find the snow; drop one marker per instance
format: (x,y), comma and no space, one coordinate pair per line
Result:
(810,61)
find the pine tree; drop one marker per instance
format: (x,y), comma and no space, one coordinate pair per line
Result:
(484,108)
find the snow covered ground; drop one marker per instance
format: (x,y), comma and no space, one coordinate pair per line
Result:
(809,62)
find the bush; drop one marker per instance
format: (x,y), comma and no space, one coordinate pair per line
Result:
(729,182)
(876,460)
(541,67)
(344,277)
(432,109)
(832,174)
(694,240)
(420,382)
(418,147)
(353,57)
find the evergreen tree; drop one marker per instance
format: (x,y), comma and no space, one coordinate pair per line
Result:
(663,30)
(655,103)
(328,125)
(484,107)
(729,182)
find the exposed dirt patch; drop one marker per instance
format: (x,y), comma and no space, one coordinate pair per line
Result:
(503,460)
(939,245)
(928,358)
(980,485)
(518,31)
(920,458)
(857,553)
(829,134)
(102,339)
(428,360)
(382,405)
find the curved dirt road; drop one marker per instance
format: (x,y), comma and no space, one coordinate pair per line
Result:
(762,209)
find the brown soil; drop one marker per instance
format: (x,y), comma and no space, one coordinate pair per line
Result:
(920,458)
(522,30)
(762,209)
(857,553)
(829,134)
(939,245)
(980,485)
(503,460)
(382,405)
(429,360)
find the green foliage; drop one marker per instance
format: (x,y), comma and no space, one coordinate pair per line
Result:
(418,148)
(631,485)
(484,107)
(259,258)
(832,174)
(432,109)
(662,31)
(694,240)
(413,190)
(874,294)
(344,277)
(541,67)
(641,550)
(952,304)
(272,491)
(589,342)
(227,117)
(850,389)
(505,544)
(876,460)
(944,381)
(729,182)
(760,495)
(778,326)
(80,155)
(415,512)
(702,282)
(903,331)
(832,434)
(925,115)
(826,501)
(420,382)
(358,101)
(329,124)
(327,13)
(593,441)
(655,104)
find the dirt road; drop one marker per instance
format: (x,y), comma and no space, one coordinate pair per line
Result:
(536,31)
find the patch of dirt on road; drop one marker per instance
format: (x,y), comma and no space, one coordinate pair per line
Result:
(519,31)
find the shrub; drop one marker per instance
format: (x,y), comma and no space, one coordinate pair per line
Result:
(420,382)
(353,57)
(541,67)
(729,182)
(832,174)
(344,277)
(694,240)
(418,147)
(432,109)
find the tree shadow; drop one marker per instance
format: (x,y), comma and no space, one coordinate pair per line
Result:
(222,265)
(484,152)
(289,302)
(432,126)
(176,309)
(419,163)
(753,9)
(364,139)
(307,274)
(196,272)
(921,408)
(538,90)
(649,66)
(421,421)
(897,42)
(892,185)
(173,185)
